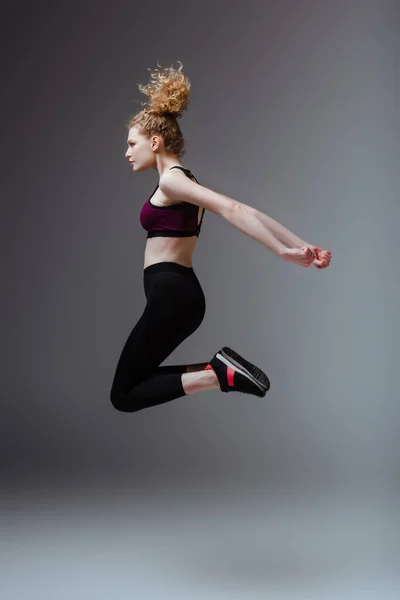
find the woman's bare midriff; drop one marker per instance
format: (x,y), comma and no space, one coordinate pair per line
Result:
(170,249)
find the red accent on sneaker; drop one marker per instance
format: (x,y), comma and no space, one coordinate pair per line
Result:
(230,373)
(209,368)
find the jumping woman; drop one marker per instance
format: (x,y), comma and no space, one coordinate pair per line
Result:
(175,302)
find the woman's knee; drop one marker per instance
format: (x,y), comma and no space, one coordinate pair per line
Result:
(116,401)
(120,402)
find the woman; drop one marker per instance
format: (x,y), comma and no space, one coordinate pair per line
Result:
(175,302)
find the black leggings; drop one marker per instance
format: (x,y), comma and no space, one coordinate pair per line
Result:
(175,308)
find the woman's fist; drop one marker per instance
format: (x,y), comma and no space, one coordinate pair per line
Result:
(323,257)
(308,255)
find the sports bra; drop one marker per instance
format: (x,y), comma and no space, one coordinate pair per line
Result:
(176,220)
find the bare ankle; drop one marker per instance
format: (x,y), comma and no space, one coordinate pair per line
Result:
(199,381)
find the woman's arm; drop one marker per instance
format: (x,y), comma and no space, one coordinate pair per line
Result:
(284,235)
(286,245)
(271,234)
(245,219)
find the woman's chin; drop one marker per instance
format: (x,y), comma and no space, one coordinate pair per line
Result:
(138,168)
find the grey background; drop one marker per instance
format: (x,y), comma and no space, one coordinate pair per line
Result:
(293,111)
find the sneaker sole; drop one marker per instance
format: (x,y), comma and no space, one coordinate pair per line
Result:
(239,369)
(254,373)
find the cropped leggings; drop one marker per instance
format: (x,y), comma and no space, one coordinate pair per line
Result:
(175,308)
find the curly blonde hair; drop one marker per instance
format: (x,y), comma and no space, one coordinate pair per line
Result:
(168,91)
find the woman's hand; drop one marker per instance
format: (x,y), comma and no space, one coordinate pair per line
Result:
(303,256)
(308,255)
(323,257)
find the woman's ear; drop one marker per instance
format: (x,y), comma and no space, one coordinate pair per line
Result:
(155,142)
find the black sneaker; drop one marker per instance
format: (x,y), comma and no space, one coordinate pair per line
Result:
(236,374)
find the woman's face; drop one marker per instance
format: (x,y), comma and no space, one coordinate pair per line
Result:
(140,152)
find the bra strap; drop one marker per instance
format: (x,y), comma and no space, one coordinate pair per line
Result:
(179,167)
(186,171)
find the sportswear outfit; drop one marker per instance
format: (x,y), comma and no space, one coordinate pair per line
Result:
(175,308)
